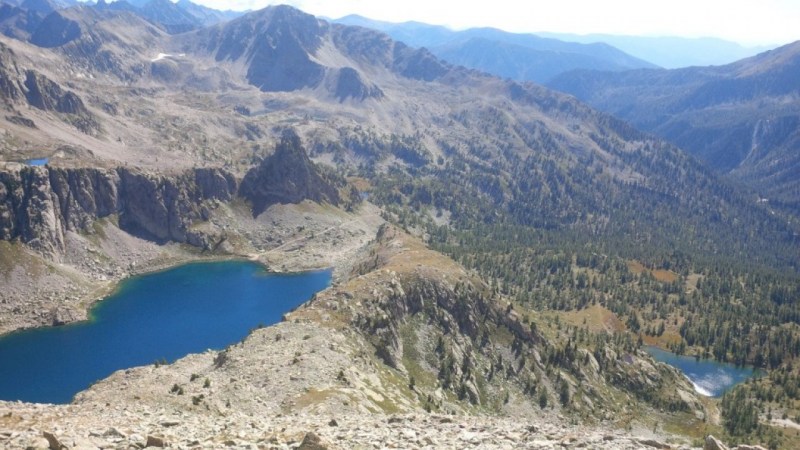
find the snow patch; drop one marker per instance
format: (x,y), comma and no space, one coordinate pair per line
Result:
(160,57)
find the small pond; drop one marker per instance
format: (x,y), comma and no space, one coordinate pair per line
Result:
(37,161)
(710,378)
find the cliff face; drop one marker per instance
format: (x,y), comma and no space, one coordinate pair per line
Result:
(39,204)
(163,209)
(9,84)
(19,85)
(28,210)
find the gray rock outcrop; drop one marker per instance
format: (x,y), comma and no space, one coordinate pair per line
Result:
(10,89)
(55,31)
(350,84)
(287,176)
(39,204)
(712,443)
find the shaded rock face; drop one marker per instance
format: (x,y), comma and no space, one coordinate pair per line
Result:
(9,85)
(19,23)
(42,93)
(85,195)
(287,176)
(156,208)
(283,64)
(350,84)
(55,31)
(283,49)
(39,204)
(47,95)
(283,68)
(277,43)
(29,210)
(162,209)
(417,64)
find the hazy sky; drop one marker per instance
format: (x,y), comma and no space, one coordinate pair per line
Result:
(743,21)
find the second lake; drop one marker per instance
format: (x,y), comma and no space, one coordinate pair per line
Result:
(710,378)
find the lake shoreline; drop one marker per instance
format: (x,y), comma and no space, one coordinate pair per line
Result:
(162,315)
(42,290)
(111,286)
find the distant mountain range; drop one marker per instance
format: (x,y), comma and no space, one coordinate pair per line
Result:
(364,102)
(18,19)
(540,56)
(739,118)
(743,118)
(670,52)
(521,57)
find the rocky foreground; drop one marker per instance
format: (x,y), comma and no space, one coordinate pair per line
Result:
(175,429)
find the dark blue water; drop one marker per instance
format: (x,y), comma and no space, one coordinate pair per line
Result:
(37,161)
(164,315)
(710,378)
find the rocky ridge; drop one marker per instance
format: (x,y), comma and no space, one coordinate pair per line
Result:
(40,204)
(22,86)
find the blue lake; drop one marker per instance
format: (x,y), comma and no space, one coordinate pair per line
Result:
(37,161)
(163,315)
(710,378)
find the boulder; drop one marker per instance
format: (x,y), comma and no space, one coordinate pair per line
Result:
(312,442)
(53,441)
(155,441)
(713,443)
